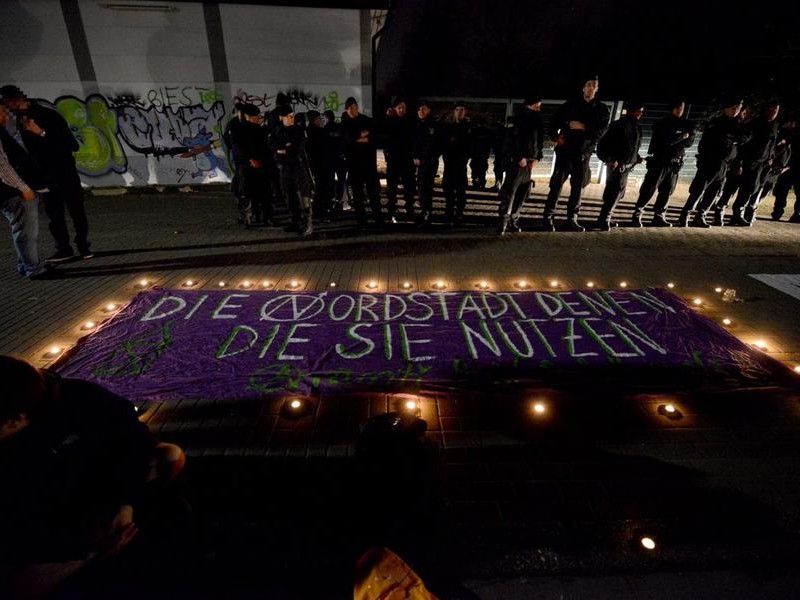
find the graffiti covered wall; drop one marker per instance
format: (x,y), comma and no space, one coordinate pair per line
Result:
(169,135)
(148,102)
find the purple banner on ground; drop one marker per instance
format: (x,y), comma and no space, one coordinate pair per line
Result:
(171,344)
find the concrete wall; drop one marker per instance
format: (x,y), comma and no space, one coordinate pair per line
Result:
(141,88)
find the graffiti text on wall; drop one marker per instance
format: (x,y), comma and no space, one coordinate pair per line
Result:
(190,132)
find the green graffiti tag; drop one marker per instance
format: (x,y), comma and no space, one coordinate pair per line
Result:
(137,355)
(94,124)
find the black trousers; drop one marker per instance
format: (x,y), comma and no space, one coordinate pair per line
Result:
(363,177)
(576,169)
(616,181)
(733,179)
(516,189)
(454,183)
(256,201)
(749,189)
(788,180)
(426,174)
(661,176)
(298,191)
(66,195)
(400,169)
(325,179)
(705,186)
(479,165)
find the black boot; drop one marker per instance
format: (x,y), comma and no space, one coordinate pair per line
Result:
(636,219)
(503,226)
(719,217)
(573,224)
(683,220)
(660,221)
(548,223)
(700,221)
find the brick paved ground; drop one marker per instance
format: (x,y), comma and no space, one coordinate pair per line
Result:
(514,507)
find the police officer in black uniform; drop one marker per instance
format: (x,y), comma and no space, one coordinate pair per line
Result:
(335,156)
(619,150)
(671,136)
(757,156)
(362,161)
(426,159)
(400,129)
(297,185)
(321,167)
(522,152)
(718,146)
(576,127)
(733,176)
(456,143)
(790,178)
(252,157)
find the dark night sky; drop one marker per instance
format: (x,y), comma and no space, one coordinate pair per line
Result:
(652,50)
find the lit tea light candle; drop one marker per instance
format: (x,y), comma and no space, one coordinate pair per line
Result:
(522,284)
(440,285)
(648,543)
(188,283)
(54,351)
(295,404)
(539,408)
(143,283)
(718,289)
(294,284)
(623,284)
(406,285)
(697,301)
(266,285)
(760,344)
(247,284)
(797,369)
(372,285)
(590,284)
(411,405)
(333,284)
(726,321)
(671,285)
(110,307)
(554,283)
(484,285)
(88,325)
(669,408)
(222,284)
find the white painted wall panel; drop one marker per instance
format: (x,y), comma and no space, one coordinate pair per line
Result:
(35,51)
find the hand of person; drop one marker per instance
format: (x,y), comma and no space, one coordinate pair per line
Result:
(738,172)
(769,162)
(255,163)
(532,164)
(416,162)
(578,125)
(613,164)
(32,126)
(390,112)
(120,532)
(560,140)
(639,160)
(523,163)
(28,195)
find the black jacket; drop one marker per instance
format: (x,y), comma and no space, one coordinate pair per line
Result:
(399,136)
(23,163)
(761,146)
(351,133)
(53,151)
(84,454)
(526,138)
(594,115)
(667,143)
(721,139)
(621,142)
(249,141)
(456,140)
(427,144)
(292,139)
